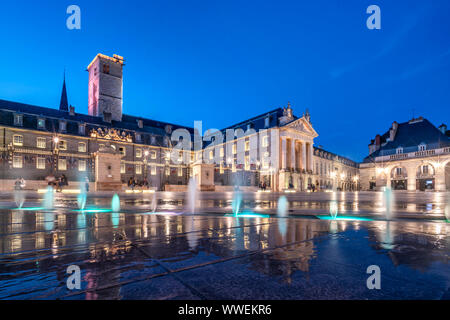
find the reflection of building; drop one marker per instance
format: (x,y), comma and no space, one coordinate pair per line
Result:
(413,155)
(275,147)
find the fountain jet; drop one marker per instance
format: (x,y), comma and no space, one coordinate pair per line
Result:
(115,203)
(49,198)
(192,195)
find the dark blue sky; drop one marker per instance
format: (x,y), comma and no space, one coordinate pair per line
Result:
(225,61)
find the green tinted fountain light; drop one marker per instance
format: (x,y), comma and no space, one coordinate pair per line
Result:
(344,218)
(248,215)
(28,209)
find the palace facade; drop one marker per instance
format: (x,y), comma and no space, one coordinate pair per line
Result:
(414,155)
(275,149)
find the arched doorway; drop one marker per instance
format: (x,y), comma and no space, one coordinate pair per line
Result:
(425,179)
(399,178)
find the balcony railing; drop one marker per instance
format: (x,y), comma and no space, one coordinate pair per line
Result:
(416,154)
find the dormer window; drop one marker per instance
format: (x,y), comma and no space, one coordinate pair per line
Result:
(140,124)
(62,126)
(399,150)
(18,120)
(422,147)
(41,123)
(81,129)
(138,137)
(153,140)
(266,122)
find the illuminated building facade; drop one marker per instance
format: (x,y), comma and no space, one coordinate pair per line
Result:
(414,155)
(275,149)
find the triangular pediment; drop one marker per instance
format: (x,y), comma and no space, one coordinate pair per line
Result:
(303,126)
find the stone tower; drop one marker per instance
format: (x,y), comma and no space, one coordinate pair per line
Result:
(106,87)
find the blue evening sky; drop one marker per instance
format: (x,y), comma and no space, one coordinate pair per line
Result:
(225,61)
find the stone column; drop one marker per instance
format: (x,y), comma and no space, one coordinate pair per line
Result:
(311,151)
(283,153)
(303,166)
(293,153)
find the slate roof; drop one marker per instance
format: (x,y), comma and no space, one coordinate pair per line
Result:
(52,116)
(409,136)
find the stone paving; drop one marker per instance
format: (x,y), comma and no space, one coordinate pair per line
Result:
(135,254)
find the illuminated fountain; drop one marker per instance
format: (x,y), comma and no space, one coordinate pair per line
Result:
(236,202)
(192,196)
(19,198)
(334,210)
(387,202)
(154,203)
(48,199)
(81,199)
(282,212)
(115,203)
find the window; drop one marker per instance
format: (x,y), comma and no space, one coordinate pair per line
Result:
(122,151)
(265,141)
(18,120)
(399,150)
(167,171)
(81,129)
(247,163)
(180,172)
(62,125)
(106,68)
(153,154)
(62,164)
(221,168)
(153,140)
(266,122)
(81,165)
(247,145)
(138,169)
(138,153)
(234,148)
(40,163)
(18,140)
(138,137)
(81,147)
(41,142)
(422,147)
(153,171)
(399,171)
(222,152)
(122,167)
(41,123)
(62,145)
(211,155)
(17,162)
(425,169)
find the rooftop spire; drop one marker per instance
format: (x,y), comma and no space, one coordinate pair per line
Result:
(64,104)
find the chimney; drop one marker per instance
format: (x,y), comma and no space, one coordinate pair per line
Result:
(72,110)
(393,131)
(443,128)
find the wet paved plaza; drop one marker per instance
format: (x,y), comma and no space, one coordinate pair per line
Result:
(137,254)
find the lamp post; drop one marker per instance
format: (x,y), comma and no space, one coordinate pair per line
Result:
(55,154)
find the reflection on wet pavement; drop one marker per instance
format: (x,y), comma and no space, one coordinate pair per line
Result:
(137,255)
